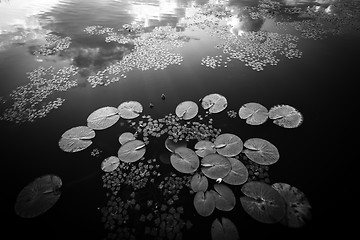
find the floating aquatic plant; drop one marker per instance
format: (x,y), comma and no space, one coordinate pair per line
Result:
(38,196)
(215,166)
(130,109)
(225,229)
(262,202)
(297,205)
(126,137)
(132,151)
(199,183)
(103,118)
(254,113)
(204,148)
(76,139)
(110,164)
(172,145)
(214,102)
(285,116)
(187,110)
(204,203)
(224,197)
(228,145)
(261,151)
(184,160)
(238,173)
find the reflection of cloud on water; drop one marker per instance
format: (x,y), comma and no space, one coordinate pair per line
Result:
(20,21)
(151,14)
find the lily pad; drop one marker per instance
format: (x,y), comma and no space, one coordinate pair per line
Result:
(126,137)
(204,148)
(187,110)
(130,109)
(254,113)
(110,164)
(262,202)
(204,203)
(171,145)
(297,205)
(199,183)
(224,230)
(214,102)
(76,139)
(184,160)
(238,173)
(224,197)
(261,151)
(286,116)
(38,196)
(228,145)
(103,118)
(215,166)
(132,151)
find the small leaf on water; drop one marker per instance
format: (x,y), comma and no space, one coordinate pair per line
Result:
(261,151)
(224,230)
(297,206)
(262,202)
(228,145)
(214,102)
(184,160)
(254,113)
(130,109)
(103,118)
(204,203)
(187,110)
(131,151)
(215,166)
(38,196)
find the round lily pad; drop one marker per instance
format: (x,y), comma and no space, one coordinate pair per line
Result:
(38,196)
(204,203)
(224,197)
(261,151)
(131,151)
(228,145)
(103,118)
(204,148)
(110,164)
(187,110)
(224,230)
(254,113)
(130,109)
(214,102)
(199,183)
(126,137)
(76,139)
(171,145)
(184,160)
(238,173)
(262,202)
(215,166)
(297,206)
(286,116)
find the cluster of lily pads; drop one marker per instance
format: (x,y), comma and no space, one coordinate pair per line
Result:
(210,170)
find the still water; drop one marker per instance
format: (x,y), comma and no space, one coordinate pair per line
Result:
(290,52)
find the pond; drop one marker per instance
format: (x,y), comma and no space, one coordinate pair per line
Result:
(174,119)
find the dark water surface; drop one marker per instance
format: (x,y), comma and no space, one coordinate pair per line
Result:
(316,84)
